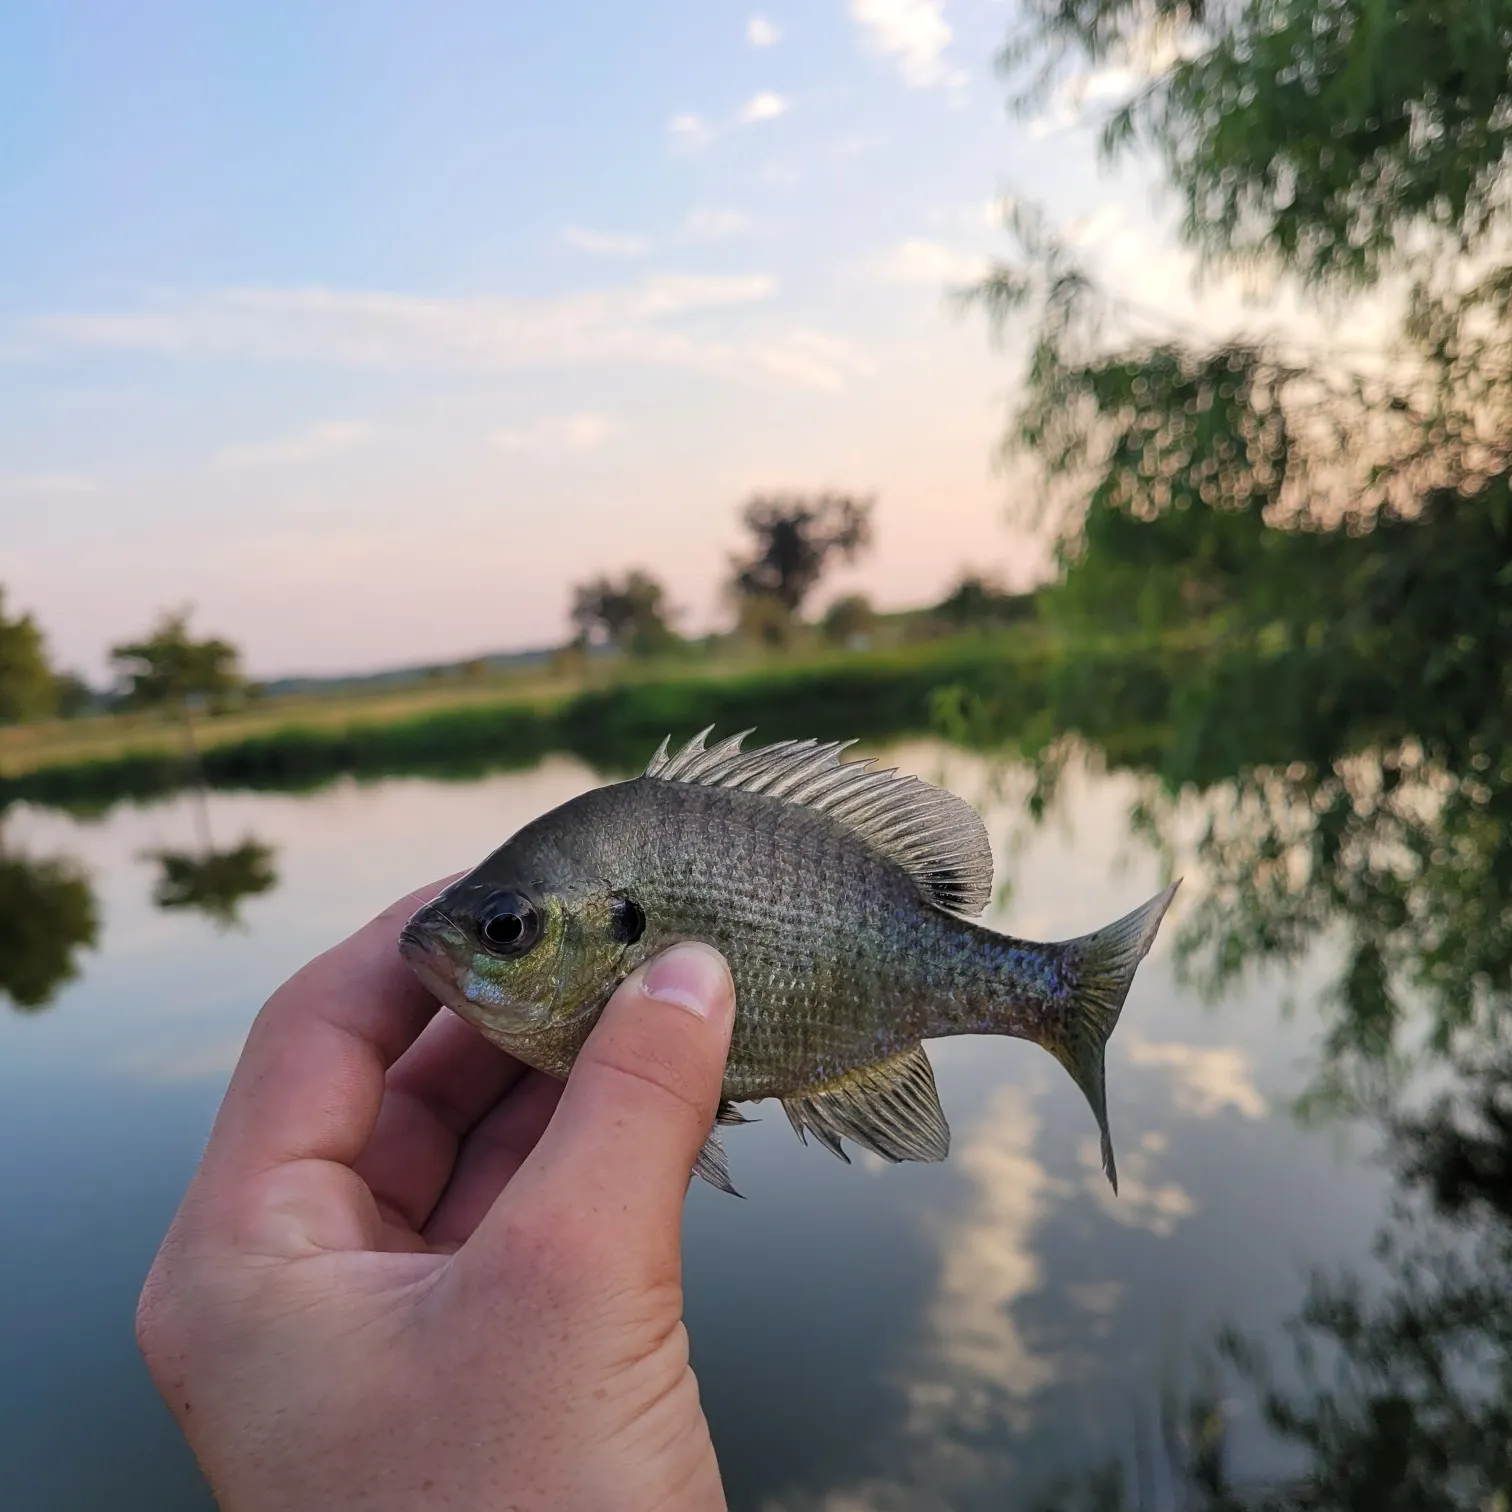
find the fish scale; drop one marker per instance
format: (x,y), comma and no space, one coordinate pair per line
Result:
(840,897)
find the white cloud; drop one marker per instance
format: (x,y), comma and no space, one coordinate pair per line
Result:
(929,262)
(47,485)
(690,130)
(328,439)
(717,225)
(1205,1081)
(634,324)
(915,34)
(762,33)
(609,243)
(1142,1200)
(984,1363)
(765,106)
(558,435)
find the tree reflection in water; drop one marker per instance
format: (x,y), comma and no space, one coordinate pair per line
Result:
(214,882)
(211,881)
(1404,1401)
(1401,1392)
(47,915)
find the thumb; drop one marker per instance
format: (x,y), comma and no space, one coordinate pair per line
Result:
(639,1104)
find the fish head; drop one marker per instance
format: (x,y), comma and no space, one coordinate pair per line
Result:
(529,962)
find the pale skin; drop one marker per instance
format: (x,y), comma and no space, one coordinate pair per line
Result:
(409,1272)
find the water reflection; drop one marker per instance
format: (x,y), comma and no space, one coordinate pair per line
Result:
(48,915)
(214,883)
(1394,1390)
(1397,1394)
(211,881)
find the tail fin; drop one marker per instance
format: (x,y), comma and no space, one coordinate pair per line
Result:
(1102,969)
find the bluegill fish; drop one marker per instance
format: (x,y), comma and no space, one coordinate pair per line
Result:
(841,897)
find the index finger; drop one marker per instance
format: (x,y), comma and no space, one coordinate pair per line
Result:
(310,1080)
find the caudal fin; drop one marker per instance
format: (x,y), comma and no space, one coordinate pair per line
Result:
(1101,968)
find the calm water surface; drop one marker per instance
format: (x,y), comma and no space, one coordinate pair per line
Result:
(866,1336)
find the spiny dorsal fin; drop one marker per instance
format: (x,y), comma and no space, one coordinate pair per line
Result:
(937,838)
(891,1108)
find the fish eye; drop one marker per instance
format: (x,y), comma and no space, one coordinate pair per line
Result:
(629,920)
(509,924)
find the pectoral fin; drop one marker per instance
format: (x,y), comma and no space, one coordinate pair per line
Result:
(891,1108)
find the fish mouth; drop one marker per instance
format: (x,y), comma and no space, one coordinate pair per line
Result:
(415,945)
(429,943)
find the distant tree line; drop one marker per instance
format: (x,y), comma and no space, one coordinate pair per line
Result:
(168,668)
(792,542)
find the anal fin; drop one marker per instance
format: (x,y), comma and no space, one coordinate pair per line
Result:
(891,1108)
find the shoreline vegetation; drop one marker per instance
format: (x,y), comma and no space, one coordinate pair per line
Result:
(972,687)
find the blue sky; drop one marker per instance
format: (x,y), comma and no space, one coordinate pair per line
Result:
(370,328)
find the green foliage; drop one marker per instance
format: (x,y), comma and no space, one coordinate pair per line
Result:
(214,883)
(762,619)
(47,915)
(169,668)
(630,615)
(1330,140)
(794,538)
(849,619)
(976,602)
(875,694)
(28,689)
(75,696)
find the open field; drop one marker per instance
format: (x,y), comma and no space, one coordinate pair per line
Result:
(614,717)
(52,743)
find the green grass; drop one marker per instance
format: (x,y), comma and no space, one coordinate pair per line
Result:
(461,730)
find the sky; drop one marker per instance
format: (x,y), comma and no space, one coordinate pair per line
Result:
(368,329)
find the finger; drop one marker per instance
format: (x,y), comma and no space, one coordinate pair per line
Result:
(615,1161)
(489,1158)
(434,1094)
(309,1083)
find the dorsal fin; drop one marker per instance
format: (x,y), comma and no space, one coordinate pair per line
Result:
(937,838)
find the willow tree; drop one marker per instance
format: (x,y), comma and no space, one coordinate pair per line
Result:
(1341,528)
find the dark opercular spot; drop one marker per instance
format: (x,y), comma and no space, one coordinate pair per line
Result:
(629,920)
(509,924)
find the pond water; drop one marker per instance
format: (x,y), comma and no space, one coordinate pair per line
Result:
(866,1337)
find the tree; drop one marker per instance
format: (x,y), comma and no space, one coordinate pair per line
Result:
(976,601)
(1337,142)
(849,619)
(170,669)
(1340,533)
(630,615)
(1342,515)
(762,620)
(795,537)
(28,689)
(75,696)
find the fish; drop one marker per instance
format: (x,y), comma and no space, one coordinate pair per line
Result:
(844,899)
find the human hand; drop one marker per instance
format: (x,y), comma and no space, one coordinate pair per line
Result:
(404,1276)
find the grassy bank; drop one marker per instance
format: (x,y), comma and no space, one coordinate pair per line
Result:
(1002,678)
